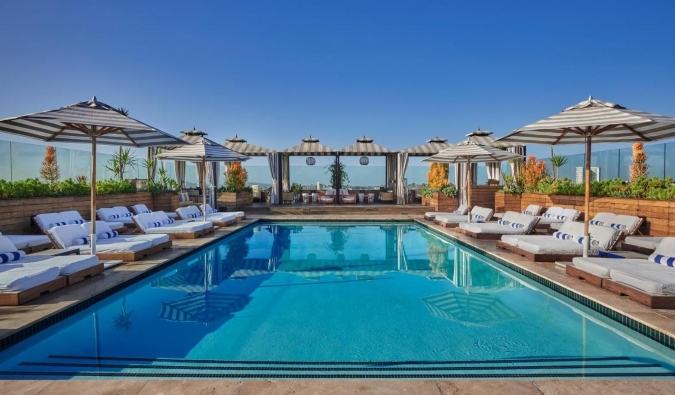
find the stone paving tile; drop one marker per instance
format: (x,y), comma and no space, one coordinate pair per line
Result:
(605,387)
(197,387)
(93,387)
(22,387)
(502,387)
(367,387)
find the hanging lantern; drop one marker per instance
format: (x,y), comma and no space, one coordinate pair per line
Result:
(364,161)
(310,161)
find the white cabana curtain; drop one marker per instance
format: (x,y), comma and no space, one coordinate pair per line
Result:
(460,182)
(390,171)
(494,170)
(286,173)
(400,175)
(179,166)
(273,160)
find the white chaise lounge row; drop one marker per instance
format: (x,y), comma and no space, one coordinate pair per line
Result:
(24,278)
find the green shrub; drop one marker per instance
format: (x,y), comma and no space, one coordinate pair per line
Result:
(109,187)
(71,187)
(449,190)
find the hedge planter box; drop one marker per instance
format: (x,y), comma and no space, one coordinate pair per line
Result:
(425,201)
(440,202)
(505,202)
(235,201)
(16,214)
(659,214)
(165,202)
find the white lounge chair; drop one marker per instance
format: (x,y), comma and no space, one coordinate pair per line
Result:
(158,222)
(76,237)
(103,231)
(558,214)
(532,209)
(30,243)
(627,224)
(641,244)
(461,210)
(143,209)
(478,214)
(47,221)
(512,223)
(239,215)
(648,281)
(561,246)
(113,214)
(193,213)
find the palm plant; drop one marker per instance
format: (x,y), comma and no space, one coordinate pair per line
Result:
(557,161)
(120,161)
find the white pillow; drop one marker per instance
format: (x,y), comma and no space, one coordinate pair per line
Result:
(6,245)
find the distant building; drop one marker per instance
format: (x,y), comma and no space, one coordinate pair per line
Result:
(319,186)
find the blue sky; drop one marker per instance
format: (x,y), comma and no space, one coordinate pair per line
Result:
(398,71)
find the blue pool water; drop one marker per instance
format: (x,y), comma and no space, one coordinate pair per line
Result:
(325,300)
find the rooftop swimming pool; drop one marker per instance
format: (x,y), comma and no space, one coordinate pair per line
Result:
(337,300)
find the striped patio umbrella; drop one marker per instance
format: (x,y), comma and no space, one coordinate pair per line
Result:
(205,307)
(594,121)
(203,150)
(469,309)
(471,153)
(432,147)
(91,122)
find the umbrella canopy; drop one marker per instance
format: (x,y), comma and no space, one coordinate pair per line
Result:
(203,307)
(365,147)
(432,147)
(91,122)
(240,145)
(203,150)
(594,121)
(469,309)
(484,137)
(471,153)
(310,147)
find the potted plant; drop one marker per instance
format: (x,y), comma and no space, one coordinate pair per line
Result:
(235,195)
(297,191)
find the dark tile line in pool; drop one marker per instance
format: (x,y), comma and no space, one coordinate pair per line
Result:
(15,374)
(50,320)
(645,330)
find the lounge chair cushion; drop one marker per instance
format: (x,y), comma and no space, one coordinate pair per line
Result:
(15,277)
(432,214)
(113,215)
(221,217)
(656,280)
(69,235)
(532,209)
(461,210)
(103,231)
(450,218)
(189,212)
(553,212)
(627,224)
(665,253)
(647,242)
(152,223)
(72,217)
(23,241)
(141,209)
(115,246)
(49,220)
(6,245)
(602,218)
(67,264)
(550,246)
(123,211)
(601,266)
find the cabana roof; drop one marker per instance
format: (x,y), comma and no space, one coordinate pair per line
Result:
(483,137)
(240,145)
(365,147)
(432,147)
(310,147)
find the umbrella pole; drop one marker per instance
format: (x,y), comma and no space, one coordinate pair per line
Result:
(92,202)
(587,197)
(468,187)
(204,188)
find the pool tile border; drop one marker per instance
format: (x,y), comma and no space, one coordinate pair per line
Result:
(652,333)
(46,322)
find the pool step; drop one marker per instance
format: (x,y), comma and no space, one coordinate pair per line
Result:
(59,366)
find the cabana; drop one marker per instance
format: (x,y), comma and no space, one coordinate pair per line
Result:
(240,145)
(365,147)
(431,148)
(308,147)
